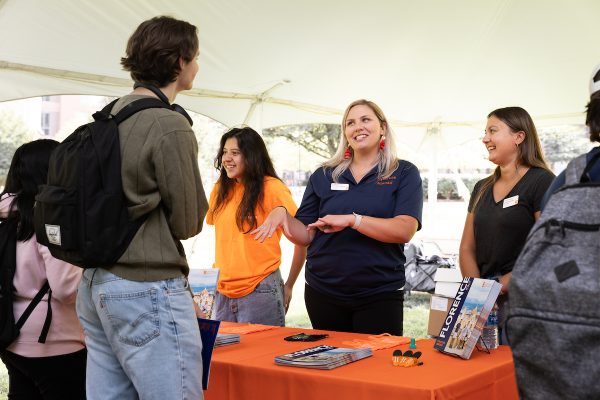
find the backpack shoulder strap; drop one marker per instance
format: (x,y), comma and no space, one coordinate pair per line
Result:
(46,327)
(36,300)
(105,112)
(590,164)
(128,110)
(575,170)
(134,107)
(138,105)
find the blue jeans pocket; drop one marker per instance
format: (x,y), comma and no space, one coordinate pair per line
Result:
(133,316)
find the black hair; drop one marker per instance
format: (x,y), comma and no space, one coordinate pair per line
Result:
(257,166)
(592,117)
(28,170)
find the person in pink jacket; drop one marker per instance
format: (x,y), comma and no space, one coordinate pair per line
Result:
(54,369)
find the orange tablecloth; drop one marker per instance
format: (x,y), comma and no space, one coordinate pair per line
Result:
(247,371)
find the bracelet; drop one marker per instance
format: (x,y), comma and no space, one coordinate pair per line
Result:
(357,220)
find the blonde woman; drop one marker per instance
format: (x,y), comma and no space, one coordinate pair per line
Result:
(358,210)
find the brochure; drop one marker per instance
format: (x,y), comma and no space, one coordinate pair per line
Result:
(204,286)
(467,316)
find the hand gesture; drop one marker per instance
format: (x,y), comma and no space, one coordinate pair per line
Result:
(276,218)
(333,223)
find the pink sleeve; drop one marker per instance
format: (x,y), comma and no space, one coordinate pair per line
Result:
(63,277)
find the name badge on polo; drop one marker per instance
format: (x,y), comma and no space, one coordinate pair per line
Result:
(340,186)
(511,201)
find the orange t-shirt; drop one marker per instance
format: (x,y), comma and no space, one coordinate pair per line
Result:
(243,261)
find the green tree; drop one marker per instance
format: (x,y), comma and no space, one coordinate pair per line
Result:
(320,139)
(447,189)
(563,143)
(13,133)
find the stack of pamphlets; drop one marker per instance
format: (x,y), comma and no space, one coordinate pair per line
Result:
(224,339)
(323,357)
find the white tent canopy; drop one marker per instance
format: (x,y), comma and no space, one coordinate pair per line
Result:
(436,67)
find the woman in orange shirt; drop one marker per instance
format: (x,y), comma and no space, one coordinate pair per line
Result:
(250,287)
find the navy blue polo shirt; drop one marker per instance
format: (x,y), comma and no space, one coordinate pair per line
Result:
(348,264)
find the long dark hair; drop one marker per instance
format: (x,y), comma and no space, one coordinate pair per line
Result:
(257,166)
(28,170)
(529,152)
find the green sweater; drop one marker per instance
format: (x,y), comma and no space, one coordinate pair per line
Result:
(159,167)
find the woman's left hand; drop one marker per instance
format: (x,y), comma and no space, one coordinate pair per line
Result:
(504,280)
(333,223)
(276,218)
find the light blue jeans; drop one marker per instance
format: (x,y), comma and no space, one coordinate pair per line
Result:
(142,338)
(263,306)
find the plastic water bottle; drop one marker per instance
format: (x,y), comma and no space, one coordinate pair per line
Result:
(490,330)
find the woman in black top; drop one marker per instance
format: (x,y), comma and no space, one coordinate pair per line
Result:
(505,205)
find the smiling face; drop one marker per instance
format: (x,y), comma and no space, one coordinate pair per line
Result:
(362,128)
(501,142)
(233,160)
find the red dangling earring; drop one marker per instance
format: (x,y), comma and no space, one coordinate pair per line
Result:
(347,153)
(382,143)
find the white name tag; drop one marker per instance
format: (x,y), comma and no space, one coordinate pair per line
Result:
(511,201)
(340,186)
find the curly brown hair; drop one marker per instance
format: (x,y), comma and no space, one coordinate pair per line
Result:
(154,49)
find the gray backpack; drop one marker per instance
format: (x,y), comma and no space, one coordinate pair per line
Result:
(553,322)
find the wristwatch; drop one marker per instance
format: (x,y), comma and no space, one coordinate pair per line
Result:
(357,220)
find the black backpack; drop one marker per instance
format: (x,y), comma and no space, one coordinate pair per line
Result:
(9,330)
(81,213)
